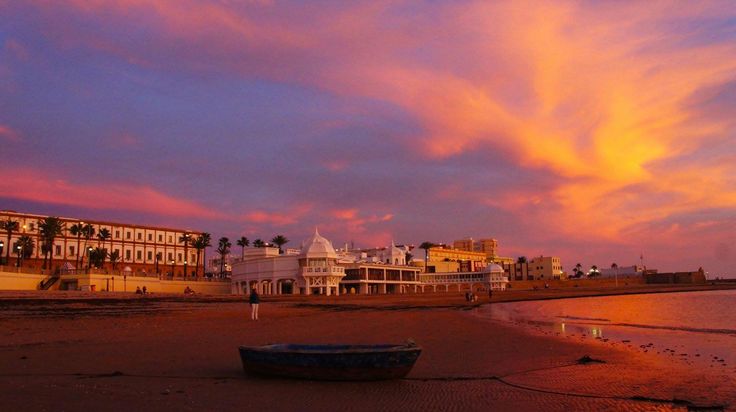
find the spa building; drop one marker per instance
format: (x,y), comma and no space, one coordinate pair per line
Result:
(317,268)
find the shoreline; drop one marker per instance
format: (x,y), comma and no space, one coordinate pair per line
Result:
(180,354)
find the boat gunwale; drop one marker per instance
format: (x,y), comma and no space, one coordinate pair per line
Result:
(324,349)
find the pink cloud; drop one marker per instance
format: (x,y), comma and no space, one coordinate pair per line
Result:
(9,134)
(278,218)
(37,186)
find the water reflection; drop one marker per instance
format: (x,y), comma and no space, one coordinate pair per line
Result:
(696,327)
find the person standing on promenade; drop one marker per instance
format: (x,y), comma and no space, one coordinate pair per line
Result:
(490,294)
(254,300)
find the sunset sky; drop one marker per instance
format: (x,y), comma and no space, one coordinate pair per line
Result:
(594,131)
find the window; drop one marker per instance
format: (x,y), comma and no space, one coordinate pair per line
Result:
(127,235)
(71,250)
(150,255)
(138,255)
(140,236)
(127,255)
(58,250)
(150,237)
(179,259)
(160,238)
(117,234)
(171,257)
(170,240)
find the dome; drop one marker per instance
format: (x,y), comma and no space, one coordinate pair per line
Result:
(494,268)
(317,247)
(395,250)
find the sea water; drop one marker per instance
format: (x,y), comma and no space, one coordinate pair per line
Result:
(697,328)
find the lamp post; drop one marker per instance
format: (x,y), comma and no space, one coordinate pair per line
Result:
(18,248)
(172,268)
(185,268)
(158,257)
(89,258)
(2,245)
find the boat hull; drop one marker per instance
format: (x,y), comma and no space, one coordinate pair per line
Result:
(331,362)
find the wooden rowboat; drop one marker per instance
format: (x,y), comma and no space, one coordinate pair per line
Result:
(331,362)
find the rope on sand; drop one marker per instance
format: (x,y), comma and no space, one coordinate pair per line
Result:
(501,379)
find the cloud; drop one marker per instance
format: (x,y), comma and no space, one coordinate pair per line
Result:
(38,186)
(9,134)
(565,120)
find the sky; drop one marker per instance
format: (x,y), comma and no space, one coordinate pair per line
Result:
(597,131)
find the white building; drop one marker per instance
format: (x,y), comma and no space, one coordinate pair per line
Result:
(314,270)
(492,277)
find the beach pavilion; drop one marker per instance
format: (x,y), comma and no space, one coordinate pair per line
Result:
(313,270)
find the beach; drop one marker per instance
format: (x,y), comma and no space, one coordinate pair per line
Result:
(104,351)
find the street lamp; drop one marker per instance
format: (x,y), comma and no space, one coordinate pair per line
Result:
(1,252)
(158,257)
(18,249)
(172,268)
(185,268)
(89,258)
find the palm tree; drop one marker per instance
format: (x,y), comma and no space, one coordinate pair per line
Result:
(279,241)
(76,230)
(114,258)
(9,226)
(223,249)
(49,228)
(258,243)
(426,246)
(23,247)
(206,242)
(243,242)
(594,271)
(186,239)
(199,244)
(521,259)
(102,237)
(88,231)
(578,270)
(97,256)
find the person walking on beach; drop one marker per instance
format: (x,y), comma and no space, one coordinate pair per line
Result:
(254,300)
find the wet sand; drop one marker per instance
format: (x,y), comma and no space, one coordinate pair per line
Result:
(77,351)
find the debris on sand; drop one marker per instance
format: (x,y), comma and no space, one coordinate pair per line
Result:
(587,359)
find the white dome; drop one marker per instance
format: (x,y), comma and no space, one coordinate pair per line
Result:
(395,250)
(317,247)
(494,268)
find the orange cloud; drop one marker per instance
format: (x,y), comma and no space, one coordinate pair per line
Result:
(599,97)
(36,186)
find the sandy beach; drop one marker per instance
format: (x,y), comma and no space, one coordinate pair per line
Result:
(81,351)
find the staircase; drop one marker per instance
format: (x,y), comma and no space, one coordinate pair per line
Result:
(48,282)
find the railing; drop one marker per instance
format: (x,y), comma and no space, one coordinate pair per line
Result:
(26,270)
